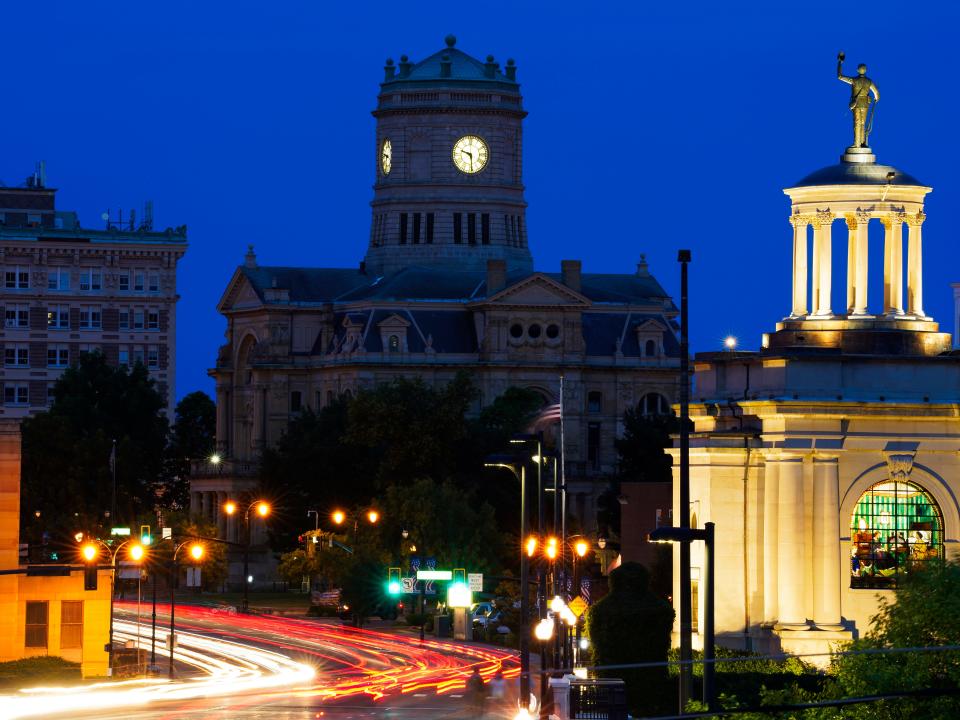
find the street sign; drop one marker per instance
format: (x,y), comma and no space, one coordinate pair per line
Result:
(434,575)
(120,531)
(577,606)
(167,533)
(408,585)
(193,577)
(475,582)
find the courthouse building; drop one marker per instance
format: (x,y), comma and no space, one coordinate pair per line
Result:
(829,459)
(447,284)
(68,290)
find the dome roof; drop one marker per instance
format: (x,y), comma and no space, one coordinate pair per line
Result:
(846,173)
(450,66)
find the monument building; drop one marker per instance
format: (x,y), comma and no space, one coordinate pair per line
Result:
(69,290)
(447,284)
(828,459)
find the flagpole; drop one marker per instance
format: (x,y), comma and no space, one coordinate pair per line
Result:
(113,470)
(563,490)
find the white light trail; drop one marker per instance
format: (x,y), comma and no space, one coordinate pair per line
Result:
(231,668)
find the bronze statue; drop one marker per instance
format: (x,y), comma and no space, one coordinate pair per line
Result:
(860,88)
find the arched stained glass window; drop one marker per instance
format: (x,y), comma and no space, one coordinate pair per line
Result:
(896,529)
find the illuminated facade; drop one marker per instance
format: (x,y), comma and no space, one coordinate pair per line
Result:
(828,459)
(447,284)
(44,614)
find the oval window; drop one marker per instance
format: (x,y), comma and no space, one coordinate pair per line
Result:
(553,331)
(534,331)
(516,330)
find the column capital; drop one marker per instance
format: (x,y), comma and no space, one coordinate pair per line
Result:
(916,220)
(897,217)
(826,459)
(800,220)
(823,218)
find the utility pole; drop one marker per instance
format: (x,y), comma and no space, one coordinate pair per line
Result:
(686,625)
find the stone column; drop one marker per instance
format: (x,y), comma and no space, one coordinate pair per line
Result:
(826,543)
(791,579)
(771,538)
(799,223)
(851,263)
(196,503)
(205,506)
(221,516)
(893,264)
(823,251)
(223,418)
(862,271)
(915,264)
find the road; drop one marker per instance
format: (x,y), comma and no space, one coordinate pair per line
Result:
(257,667)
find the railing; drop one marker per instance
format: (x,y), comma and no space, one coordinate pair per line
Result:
(598,699)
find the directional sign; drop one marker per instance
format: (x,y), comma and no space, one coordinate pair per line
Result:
(578,605)
(120,531)
(408,584)
(434,574)
(475,582)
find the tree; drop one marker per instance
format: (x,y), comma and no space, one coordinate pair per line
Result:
(192,437)
(641,448)
(925,614)
(67,450)
(632,625)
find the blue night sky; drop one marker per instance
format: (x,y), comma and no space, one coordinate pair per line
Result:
(649,130)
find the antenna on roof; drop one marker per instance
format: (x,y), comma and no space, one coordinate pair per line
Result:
(147,216)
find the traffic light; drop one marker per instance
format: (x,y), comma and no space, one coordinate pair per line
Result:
(394,586)
(90,553)
(145,537)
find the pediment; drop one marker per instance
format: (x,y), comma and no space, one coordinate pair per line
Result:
(538,290)
(392,322)
(239,295)
(651,326)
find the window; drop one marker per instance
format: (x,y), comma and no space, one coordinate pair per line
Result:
(534,331)
(153,282)
(458,228)
(36,626)
(593,445)
(17,277)
(123,280)
(153,319)
(16,356)
(58,279)
(153,357)
(594,401)
(91,317)
(553,331)
(519,232)
(416,228)
(650,349)
(429,237)
(695,599)
(123,355)
(329,397)
(51,395)
(394,343)
(485,228)
(296,401)
(15,394)
(138,319)
(403,228)
(138,280)
(317,399)
(896,528)
(58,317)
(90,280)
(516,330)
(138,355)
(472,228)
(71,624)
(124,319)
(58,356)
(17,316)
(88,349)
(654,404)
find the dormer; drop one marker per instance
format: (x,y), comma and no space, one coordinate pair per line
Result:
(650,339)
(393,334)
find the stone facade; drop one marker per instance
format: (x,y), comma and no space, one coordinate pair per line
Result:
(68,290)
(430,304)
(828,459)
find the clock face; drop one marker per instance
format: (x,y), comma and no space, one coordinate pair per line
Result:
(386,157)
(470,154)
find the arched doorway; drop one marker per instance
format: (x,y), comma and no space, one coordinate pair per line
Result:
(896,528)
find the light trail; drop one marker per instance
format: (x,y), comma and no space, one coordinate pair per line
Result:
(241,656)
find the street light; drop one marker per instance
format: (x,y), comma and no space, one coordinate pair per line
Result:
(196,552)
(263,509)
(685,536)
(521,476)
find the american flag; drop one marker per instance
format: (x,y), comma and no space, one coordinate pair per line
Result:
(585,590)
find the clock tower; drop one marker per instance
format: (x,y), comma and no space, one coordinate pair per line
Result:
(449,188)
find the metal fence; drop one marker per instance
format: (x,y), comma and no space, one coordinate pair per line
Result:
(598,700)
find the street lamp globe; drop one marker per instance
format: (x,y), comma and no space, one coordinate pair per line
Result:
(90,552)
(263,509)
(544,630)
(338,517)
(373,516)
(215,459)
(531,545)
(230,507)
(137,552)
(581,547)
(196,551)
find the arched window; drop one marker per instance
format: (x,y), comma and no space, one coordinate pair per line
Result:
(394,343)
(896,529)
(650,350)
(594,401)
(654,404)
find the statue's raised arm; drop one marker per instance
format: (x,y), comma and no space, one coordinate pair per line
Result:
(840,76)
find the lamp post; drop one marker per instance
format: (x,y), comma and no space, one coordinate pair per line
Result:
(263,509)
(196,552)
(685,536)
(521,476)
(686,626)
(339,517)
